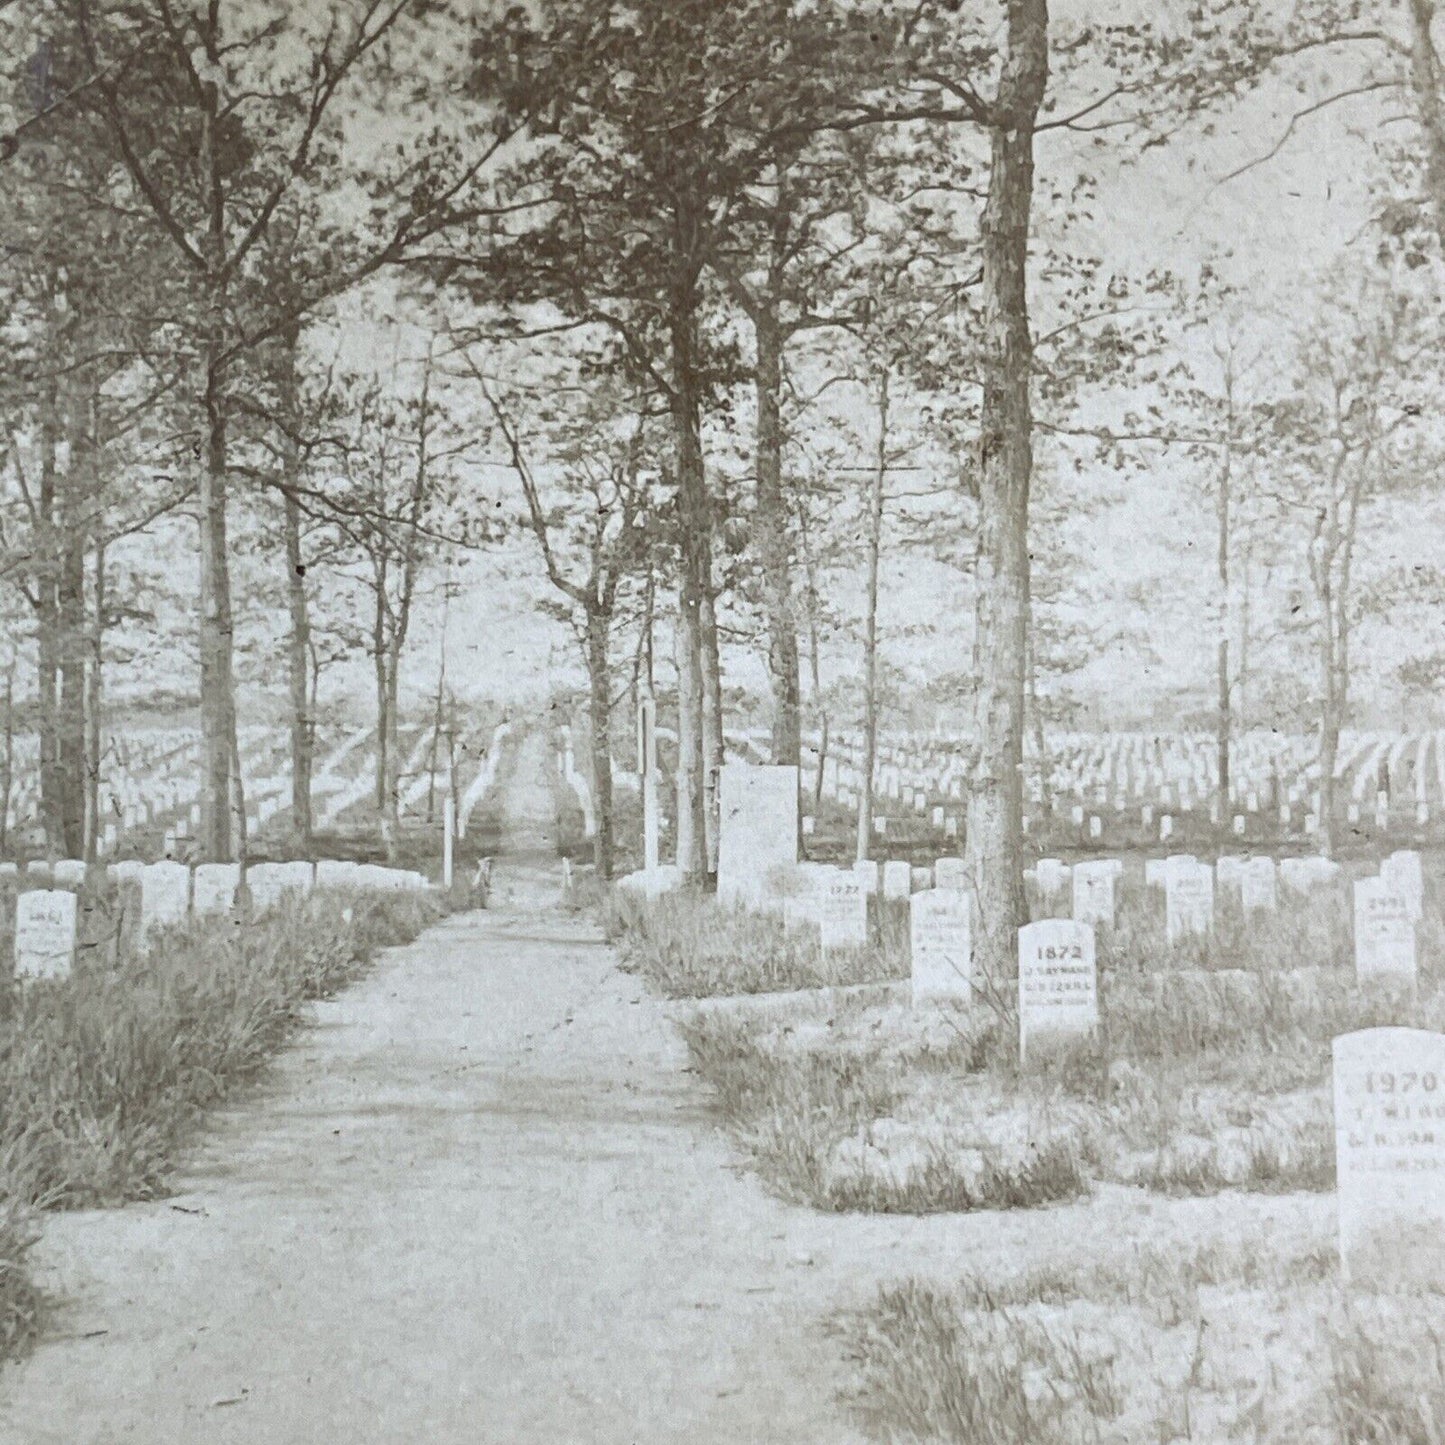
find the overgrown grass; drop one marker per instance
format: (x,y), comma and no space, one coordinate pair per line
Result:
(686,946)
(105,1076)
(1232,1339)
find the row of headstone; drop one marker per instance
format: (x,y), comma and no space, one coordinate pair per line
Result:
(46,919)
(1058,989)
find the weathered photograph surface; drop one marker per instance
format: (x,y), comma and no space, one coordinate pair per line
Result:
(722,721)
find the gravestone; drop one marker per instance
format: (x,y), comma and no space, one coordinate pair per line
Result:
(1053,877)
(337,873)
(866,871)
(758,829)
(1389,1097)
(1384,932)
(165,897)
(1094,892)
(1229,871)
(299,875)
(1403,872)
(950,874)
(1058,982)
(1257,888)
(45,933)
(897,879)
(843,912)
(269,883)
(69,873)
(800,908)
(1154,872)
(1188,901)
(213,888)
(940,945)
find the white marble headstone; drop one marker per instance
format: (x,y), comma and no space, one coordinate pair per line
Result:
(1058,981)
(213,888)
(897,879)
(950,874)
(941,946)
(1257,889)
(1188,900)
(843,912)
(867,872)
(1402,871)
(1384,931)
(69,873)
(758,829)
(1389,1096)
(1094,892)
(165,896)
(45,933)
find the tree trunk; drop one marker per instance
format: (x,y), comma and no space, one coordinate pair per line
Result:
(7,759)
(219,821)
(217,704)
(773,532)
(712,726)
(1425,82)
(1330,723)
(383,726)
(1224,723)
(47,623)
(694,544)
(94,678)
(599,680)
(870,631)
(298,654)
(239,828)
(391,812)
(995,829)
(79,492)
(1041,737)
(298,641)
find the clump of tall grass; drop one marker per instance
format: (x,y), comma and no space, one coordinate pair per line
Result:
(22,1303)
(789,1112)
(686,945)
(931,1371)
(1182,1340)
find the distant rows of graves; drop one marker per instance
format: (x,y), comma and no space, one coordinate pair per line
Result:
(149,795)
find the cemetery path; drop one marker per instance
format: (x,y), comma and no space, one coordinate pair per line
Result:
(479,1202)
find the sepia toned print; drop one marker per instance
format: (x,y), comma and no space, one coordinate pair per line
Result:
(721,720)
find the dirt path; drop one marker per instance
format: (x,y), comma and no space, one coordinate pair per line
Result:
(478,1202)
